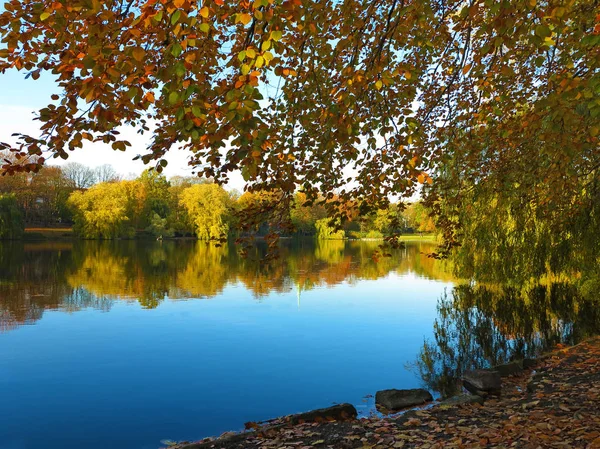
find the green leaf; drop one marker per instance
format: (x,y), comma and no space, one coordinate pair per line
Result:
(543,31)
(132,92)
(196,111)
(89,62)
(180,69)
(173,97)
(175,17)
(176,49)
(204,27)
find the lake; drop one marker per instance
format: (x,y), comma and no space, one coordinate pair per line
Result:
(123,344)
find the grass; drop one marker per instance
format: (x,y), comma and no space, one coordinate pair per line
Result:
(418,238)
(48,233)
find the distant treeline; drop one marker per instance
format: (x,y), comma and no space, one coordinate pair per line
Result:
(99,204)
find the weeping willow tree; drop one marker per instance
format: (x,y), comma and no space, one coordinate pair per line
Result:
(11,219)
(209,209)
(518,224)
(108,210)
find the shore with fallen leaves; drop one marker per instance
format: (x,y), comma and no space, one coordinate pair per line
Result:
(555,404)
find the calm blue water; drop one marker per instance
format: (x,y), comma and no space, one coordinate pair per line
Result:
(109,372)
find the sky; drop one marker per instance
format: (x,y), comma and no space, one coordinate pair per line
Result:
(20,98)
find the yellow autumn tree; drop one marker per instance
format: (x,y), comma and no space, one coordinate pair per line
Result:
(107,210)
(208,207)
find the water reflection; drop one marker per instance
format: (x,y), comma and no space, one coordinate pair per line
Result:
(479,326)
(71,276)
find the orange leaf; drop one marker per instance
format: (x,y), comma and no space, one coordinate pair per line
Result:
(139,53)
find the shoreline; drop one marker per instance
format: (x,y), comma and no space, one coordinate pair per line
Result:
(66,233)
(551,402)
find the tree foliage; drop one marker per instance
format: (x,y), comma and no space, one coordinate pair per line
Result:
(328,229)
(107,210)
(156,196)
(294,92)
(42,196)
(159,227)
(11,220)
(305,214)
(209,208)
(419,218)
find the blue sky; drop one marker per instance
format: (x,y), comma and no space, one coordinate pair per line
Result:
(20,98)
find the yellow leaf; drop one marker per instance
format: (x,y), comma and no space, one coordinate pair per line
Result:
(379,84)
(44,16)
(178,3)
(245,69)
(259,62)
(244,18)
(90,96)
(204,12)
(250,53)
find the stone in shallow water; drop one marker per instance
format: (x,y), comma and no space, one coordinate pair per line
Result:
(509,369)
(481,382)
(399,399)
(340,412)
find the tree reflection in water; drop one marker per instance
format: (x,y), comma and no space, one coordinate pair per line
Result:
(479,326)
(70,276)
